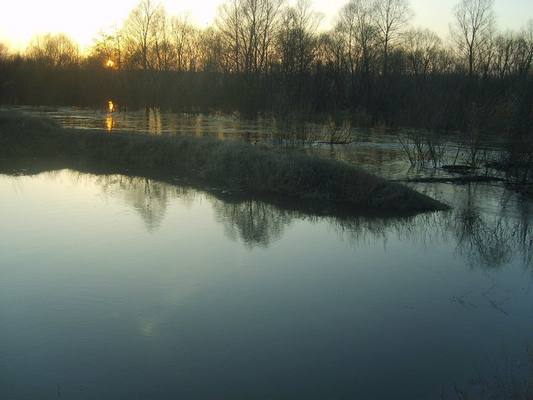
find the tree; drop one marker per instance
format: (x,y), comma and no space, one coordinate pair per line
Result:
(526,48)
(138,33)
(391,17)
(472,30)
(209,52)
(248,29)
(163,53)
(506,47)
(359,36)
(297,38)
(185,38)
(53,50)
(4,51)
(422,48)
(107,50)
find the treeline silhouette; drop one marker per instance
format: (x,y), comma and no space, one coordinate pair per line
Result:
(264,56)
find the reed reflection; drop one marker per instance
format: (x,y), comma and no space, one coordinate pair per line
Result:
(491,240)
(153,121)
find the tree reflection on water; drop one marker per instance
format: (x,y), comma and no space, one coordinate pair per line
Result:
(489,227)
(482,239)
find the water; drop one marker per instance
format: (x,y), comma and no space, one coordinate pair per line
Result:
(152,120)
(376,150)
(115,287)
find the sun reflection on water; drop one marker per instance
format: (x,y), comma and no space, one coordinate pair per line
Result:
(109,123)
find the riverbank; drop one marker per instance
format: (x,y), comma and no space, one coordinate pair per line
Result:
(232,166)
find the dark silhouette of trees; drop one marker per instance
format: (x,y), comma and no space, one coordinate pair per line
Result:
(473,30)
(424,53)
(391,18)
(187,40)
(4,52)
(140,33)
(359,38)
(53,50)
(297,42)
(371,67)
(247,30)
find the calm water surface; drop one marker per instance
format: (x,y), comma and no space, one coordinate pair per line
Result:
(125,288)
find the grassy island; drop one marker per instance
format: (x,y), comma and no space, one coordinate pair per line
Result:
(232,166)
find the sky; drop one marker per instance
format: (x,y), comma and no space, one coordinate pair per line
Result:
(20,20)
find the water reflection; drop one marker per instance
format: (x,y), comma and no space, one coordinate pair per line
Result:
(489,226)
(484,239)
(109,123)
(491,240)
(147,197)
(153,118)
(141,270)
(253,222)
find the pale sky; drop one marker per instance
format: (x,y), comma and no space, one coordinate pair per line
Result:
(83,19)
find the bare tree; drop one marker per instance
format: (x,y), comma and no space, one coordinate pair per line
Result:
(248,29)
(472,30)
(359,35)
(526,48)
(505,57)
(210,52)
(391,17)
(513,52)
(330,51)
(4,51)
(138,34)
(297,42)
(53,50)
(164,52)
(422,48)
(185,38)
(107,49)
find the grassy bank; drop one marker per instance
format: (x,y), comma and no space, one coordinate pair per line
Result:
(233,166)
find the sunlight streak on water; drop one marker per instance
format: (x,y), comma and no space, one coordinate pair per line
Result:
(109,123)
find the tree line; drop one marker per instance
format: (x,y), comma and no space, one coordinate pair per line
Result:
(371,66)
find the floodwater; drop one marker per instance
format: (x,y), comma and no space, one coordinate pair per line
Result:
(116,287)
(376,150)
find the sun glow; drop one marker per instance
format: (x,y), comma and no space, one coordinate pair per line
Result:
(83,20)
(111,106)
(110,64)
